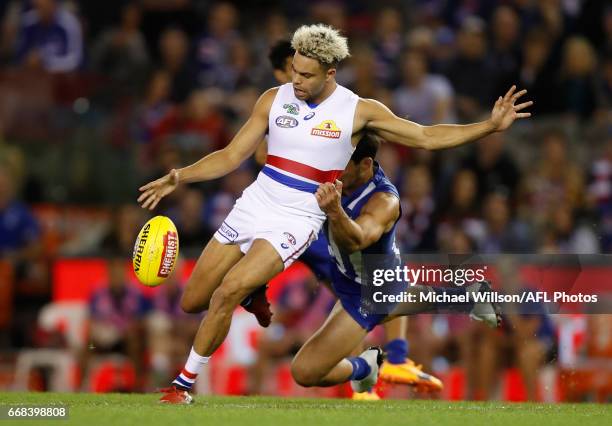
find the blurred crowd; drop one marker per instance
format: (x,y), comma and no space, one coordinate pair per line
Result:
(99,97)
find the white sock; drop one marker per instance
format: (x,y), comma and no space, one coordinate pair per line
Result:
(193,366)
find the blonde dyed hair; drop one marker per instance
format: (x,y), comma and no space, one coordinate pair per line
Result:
(321,42)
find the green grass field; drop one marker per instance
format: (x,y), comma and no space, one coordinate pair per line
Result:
(143,410)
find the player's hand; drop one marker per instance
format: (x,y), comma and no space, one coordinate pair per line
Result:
(328,196)
(505,110)
(154,191)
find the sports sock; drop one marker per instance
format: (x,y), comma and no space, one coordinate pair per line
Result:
(189,374)
(397,351)
(361,369)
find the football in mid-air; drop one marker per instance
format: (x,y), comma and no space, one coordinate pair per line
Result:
(155,251)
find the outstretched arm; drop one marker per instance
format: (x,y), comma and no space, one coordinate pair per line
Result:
(376,217)
(218,163)
(378,118)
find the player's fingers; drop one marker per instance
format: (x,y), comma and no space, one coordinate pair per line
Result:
(523,115)
(518,95)
(149,201)
(510,92)
(154,203)
(144,195)
(145,187)
(523,105)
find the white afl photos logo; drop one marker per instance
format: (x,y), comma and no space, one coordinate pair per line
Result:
(286,122)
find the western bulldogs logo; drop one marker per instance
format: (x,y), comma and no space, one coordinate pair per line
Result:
(286,122)
(292,108)
(290,238)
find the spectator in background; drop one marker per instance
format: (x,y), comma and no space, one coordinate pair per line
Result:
(390,161)
(214,47)
(600,195)
(190,220)
(174,51)
(117,311)
(359,75)
(493,166)
(50,38)
(121,54)
(125,224)
(416,228)
(505,44)
(170,331)
(239,70)
(221,203)
(473,94)
(554,181)
(196,129)
(155,107)
(387,45)
(502,233)
(423,97)
(461,211)
(563,233)
(578,86)
(19,230)
(537,73)
(275,30)
(604,89)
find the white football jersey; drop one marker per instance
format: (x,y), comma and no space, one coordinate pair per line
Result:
(309,144)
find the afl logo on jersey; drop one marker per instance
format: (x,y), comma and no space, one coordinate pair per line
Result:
(286,122)
(326,129)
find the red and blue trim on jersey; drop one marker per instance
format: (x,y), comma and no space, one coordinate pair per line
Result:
(297,175)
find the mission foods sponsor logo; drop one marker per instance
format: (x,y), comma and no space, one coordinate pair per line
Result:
(326,129)
(139,247)
(169,254)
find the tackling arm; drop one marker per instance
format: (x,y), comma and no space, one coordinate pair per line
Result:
(376,217)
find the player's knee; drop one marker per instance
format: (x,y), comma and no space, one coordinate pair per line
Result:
(189,306)
(303,374)
(228,295)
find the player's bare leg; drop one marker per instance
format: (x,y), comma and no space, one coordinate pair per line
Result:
(261,263)
(214,263)
(324,358)
(398,368)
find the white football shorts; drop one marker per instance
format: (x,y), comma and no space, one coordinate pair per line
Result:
(287,218)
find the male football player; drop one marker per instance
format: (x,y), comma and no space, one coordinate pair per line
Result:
(313,126)
(397,367)
(362,210)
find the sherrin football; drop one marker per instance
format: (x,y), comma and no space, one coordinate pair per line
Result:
(155,251)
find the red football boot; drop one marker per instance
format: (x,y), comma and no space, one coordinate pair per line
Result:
(257,304)
(175,395)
